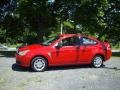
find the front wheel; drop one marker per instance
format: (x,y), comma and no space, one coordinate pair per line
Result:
(97,61)
(39,64)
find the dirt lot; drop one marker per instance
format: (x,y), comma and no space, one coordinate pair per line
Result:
(80,77)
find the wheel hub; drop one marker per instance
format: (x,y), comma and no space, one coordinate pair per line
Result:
(39,64)
(98,61)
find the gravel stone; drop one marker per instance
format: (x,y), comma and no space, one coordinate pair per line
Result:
(82,77)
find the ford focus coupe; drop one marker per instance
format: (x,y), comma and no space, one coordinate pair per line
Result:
(65,49)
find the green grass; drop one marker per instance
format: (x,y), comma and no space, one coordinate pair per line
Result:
(15,45)
(116,47)
(12,45)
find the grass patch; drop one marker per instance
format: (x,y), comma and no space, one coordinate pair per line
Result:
(116,47)
(15,45)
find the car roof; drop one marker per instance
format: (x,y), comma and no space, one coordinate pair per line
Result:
(70,35)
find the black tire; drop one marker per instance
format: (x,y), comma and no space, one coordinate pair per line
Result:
(97,61)
(39,64)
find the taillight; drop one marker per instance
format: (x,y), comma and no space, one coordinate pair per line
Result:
(108,47)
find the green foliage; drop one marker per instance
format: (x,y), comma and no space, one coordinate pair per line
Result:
(35,20)
(2,35)
(68,24)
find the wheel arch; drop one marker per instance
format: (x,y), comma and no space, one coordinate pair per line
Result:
(99,54)
(39,56)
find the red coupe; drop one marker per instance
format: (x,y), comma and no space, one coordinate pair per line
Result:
(65,49)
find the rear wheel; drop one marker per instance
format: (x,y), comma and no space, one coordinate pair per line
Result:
(39,64)
(97,61)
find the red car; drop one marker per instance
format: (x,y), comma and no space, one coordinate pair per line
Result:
(65,49)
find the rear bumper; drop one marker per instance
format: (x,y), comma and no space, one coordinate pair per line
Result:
(108,54)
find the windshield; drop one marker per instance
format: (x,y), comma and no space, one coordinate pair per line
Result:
(50,40)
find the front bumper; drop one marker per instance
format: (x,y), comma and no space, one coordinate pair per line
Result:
(23,60)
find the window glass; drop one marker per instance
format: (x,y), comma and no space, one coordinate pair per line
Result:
(70,41)
(50,41)
(86,41)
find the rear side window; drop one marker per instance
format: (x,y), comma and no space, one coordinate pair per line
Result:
(87,41)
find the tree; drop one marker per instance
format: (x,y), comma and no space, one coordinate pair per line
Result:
(91,16)
(112,17)
(6,6)
(30,16)
(36,18)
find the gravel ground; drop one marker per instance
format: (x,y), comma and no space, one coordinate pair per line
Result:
(13,77)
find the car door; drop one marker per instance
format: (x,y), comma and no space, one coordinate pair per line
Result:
(86,49)
(66,53)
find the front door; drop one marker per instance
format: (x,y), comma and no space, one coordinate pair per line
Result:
(67,53)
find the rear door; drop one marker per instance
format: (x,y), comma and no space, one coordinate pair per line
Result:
(87,46)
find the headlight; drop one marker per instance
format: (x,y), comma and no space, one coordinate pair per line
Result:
(22,53)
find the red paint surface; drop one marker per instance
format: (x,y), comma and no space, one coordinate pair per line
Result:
(65,55)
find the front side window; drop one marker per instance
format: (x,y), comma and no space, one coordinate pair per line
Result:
(50,41)
(72,41)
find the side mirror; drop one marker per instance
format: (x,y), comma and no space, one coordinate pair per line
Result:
(58,46)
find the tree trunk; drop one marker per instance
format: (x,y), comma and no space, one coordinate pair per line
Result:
(40,34)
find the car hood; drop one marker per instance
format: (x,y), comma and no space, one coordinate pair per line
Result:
(30,47)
